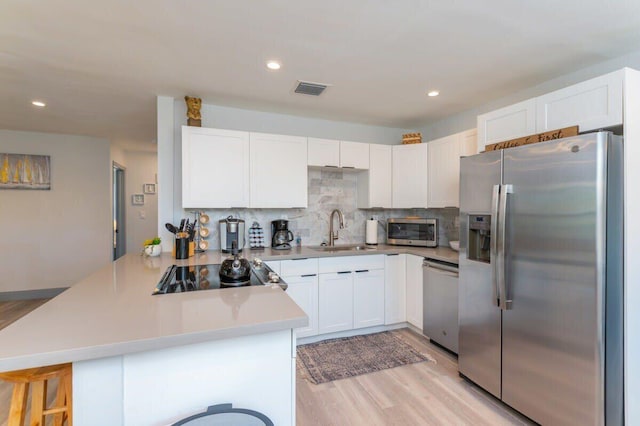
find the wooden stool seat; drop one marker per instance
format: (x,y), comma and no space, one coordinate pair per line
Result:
(38,378)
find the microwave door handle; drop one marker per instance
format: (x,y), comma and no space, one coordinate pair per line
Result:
(495,203)
(505,303)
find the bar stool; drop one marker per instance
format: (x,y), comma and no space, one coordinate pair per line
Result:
(38,378)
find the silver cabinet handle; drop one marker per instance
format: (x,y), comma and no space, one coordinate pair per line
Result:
(505,304)
(495,201)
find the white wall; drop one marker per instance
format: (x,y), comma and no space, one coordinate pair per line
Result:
(142,221)
(467,119)
(54,238)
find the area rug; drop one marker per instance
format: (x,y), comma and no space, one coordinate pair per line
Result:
(352,356)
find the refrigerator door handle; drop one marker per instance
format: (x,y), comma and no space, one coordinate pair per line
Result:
(495,202)
(505,303)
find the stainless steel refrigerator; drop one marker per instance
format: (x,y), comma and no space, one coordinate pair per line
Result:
(540,302)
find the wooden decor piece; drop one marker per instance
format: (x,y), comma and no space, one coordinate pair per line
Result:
(409,138)
(193,111)
(539,137)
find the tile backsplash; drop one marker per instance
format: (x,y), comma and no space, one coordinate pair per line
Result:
(328,190)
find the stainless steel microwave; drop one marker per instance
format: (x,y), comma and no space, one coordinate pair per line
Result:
(412,232)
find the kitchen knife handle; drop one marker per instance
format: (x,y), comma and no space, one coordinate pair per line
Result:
(495,203)
(505,303)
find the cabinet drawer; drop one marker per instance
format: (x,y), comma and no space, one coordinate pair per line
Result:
(299,267)
(350,263)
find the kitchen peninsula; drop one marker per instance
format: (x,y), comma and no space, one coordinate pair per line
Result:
(143,359)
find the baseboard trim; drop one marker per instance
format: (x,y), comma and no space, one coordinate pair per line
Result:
(349,333)
(45,293)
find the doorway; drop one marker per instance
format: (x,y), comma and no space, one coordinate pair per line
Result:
(119,230)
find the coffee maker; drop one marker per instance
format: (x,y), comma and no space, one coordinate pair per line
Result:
(280,235)
(231,229)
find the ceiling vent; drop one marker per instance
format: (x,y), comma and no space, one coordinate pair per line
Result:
(308,88)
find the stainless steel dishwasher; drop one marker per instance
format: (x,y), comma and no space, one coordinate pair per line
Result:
(440,303)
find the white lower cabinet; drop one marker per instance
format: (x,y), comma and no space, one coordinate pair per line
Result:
(368,298)
(351,292)
(395,288)
(303,289)
(414,290)
(302,277)
(335,302)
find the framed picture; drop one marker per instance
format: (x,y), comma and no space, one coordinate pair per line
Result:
(149,188)
(25,171)
(137,199)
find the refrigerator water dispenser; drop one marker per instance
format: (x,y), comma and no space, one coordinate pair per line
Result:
(479,238)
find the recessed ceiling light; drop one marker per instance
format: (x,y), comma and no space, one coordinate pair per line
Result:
(38,104)
(433,93)
(273,65)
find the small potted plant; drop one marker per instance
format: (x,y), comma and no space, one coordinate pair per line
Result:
(152,247)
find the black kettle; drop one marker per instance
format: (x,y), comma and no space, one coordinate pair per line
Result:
(235,271)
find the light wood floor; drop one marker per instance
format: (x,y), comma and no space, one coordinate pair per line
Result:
(425,393)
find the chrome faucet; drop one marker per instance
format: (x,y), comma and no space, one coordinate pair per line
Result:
(332,236)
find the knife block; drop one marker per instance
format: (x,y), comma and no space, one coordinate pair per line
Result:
(192,249)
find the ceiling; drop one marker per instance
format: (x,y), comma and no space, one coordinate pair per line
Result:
(100,65)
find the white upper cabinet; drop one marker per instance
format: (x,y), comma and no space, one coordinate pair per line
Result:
(507,123)
(468,142)
(278,171)
(215,168)
(354,155)
(409,182)
(323,152)
(334,153)
(374,185)
(591,105)
(444,167)
(444,172)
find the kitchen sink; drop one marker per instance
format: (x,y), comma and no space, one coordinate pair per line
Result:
(349,247)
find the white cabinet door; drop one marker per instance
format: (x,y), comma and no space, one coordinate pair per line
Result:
(414,290)
(592,104)
(395,289)
(335,302)
(368,298)
(409,183)
(303,289)
(215,168)
(507,123)
(444,172)
(354,155)
(323,152)
(374,185)
(301,266)
(278,171)
(468,142)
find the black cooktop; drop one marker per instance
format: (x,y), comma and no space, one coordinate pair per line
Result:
(180,279)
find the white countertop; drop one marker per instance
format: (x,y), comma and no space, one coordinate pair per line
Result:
(112,312)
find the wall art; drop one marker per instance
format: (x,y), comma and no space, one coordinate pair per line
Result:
(24,171)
